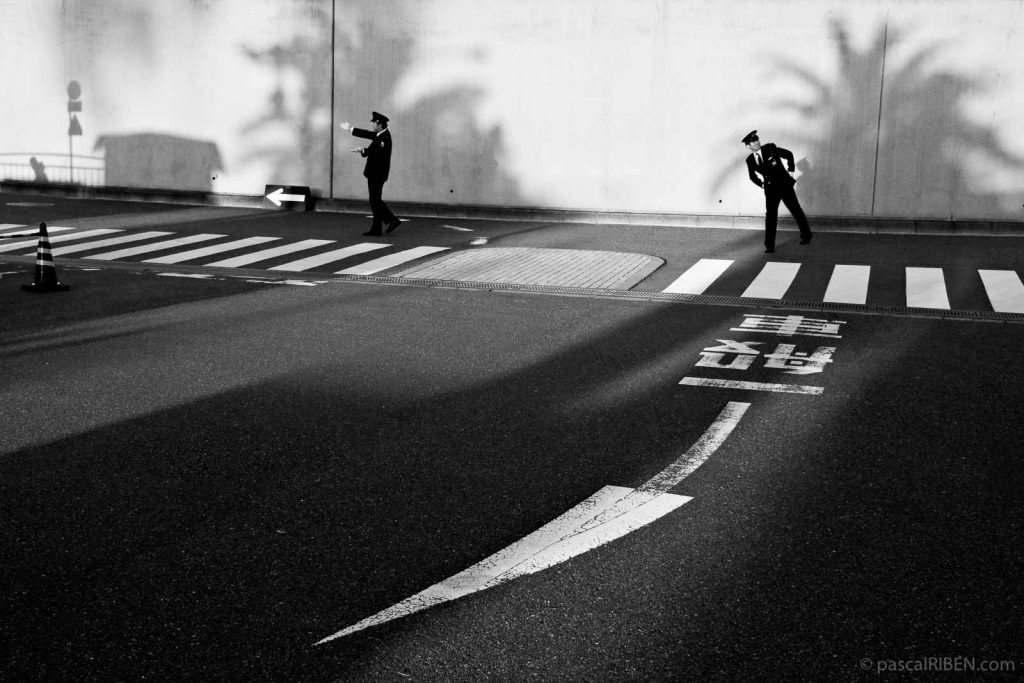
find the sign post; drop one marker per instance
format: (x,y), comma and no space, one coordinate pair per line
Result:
(74,127)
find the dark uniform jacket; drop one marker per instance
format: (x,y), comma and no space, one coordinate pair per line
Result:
(377,153)
(773,174)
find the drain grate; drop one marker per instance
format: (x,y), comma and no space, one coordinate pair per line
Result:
(668,297)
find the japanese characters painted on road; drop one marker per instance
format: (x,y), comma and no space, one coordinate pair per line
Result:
(289,197)
(742,355)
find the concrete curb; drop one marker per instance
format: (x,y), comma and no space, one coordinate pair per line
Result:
(851,224)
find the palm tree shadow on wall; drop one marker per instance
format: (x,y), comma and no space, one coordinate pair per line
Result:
(291,133)
(369,63)
(915,164)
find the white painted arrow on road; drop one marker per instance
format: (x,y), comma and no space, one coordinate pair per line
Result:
(278,196)
(611,513)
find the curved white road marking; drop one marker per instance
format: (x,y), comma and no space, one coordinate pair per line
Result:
(611,513)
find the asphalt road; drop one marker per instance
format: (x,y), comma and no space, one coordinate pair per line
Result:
(201,479)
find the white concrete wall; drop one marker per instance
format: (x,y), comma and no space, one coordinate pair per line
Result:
(903,108)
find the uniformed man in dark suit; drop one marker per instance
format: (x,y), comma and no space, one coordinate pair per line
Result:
(767,172)
(378,166)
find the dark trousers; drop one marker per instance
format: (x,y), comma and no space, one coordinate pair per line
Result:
(771,215)
(381,213)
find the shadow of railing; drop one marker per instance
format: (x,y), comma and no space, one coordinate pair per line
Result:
(43,167)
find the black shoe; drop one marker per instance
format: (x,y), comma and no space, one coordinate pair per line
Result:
(806,240)
(392,225)
(769,251)
(373,234)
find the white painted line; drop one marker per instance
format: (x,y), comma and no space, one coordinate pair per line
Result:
(193,276)
(609,514)
(455,227)
(13,231)
(155,246)
(751,386)
(926,288)
(708,443)
(390,261)
(1004,289)
(773,281)
(59,238)
(501,566)
(206,251)
(848,285)
(330,256)
(273,252)
(699,276)
(134,237)
(8,226)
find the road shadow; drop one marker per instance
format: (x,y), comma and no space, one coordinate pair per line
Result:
(307,487)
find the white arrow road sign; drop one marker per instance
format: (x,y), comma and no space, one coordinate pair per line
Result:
(609,514)
(278,196)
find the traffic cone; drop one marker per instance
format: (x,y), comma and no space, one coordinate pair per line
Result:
(46,274)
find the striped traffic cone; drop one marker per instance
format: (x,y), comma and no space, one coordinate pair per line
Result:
(46,274)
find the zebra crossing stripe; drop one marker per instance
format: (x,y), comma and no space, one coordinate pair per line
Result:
(206,251)
(389,261)
(155,246)
(848,285)
(273,252)
(926,288)
(19,230)
(136,237)
(698,277)
(60,238)
(328,257)
(772,282)
(1004,289)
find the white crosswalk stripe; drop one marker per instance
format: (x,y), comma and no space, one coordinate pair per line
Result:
(133,237)
(18,230)
(773,281)
(1004,290)
(155,246)
(329,257)
(194,254)
(848,285)
(273,252)
(926,288)
(699,276)
(58,238)
(389,261)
